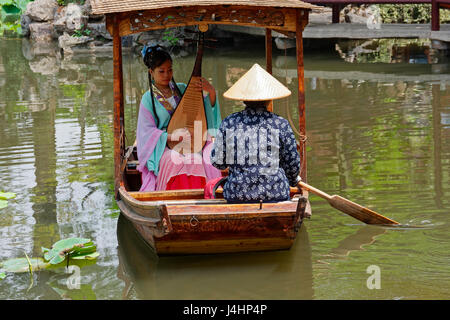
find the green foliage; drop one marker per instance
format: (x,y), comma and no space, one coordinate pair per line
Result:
(66,2)
(21,265)
(169,36)
(78,249)
(73,248)
(19,5)
(7,195)
(10,11)
(410,13)
(83,31)
(3,204)
(4,197)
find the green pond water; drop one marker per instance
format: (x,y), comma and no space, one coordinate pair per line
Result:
(378,134)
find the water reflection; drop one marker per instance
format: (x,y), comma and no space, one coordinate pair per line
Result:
(264,275)
(416,51)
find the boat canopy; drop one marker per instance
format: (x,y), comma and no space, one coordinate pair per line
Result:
(125,17)
(139,16)
(115,6)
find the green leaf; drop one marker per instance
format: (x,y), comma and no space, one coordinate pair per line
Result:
(3,204)
(6,2)
(19,265)
(44,250)
(7,195)
(22,4)
(57,259)
(87,256)
(389,100)
(64,247)
(2,275)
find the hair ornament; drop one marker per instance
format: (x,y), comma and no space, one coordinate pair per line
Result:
(150,49)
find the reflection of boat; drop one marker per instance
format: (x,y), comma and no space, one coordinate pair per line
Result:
(285,274)
(181,221)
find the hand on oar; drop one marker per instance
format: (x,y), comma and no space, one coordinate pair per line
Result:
(351,208)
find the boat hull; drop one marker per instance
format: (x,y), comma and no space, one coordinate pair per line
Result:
(199,226)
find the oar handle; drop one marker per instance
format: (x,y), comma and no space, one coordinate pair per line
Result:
(318,192)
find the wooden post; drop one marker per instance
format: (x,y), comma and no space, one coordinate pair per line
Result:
(269,50)
(118,104)
(269,59)
(434,15)
(300,23)
(335,13)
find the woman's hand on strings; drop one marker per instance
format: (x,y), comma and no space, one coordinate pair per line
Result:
(202,83)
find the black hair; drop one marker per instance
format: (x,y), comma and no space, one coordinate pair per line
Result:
(156,56)
(257,104)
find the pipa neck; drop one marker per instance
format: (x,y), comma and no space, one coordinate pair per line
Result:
(197,72)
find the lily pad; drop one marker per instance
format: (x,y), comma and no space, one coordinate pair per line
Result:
(68,247)
(7,195)
(88,256)
(19,265)
(3,204)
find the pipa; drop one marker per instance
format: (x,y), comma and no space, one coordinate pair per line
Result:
(190,112)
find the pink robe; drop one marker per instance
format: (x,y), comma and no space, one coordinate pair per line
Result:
(164,162)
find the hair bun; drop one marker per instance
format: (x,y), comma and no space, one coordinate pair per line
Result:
(152,54)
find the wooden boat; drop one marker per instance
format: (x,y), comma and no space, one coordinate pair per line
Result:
(182,221)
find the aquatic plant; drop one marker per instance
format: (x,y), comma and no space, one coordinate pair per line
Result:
(70,249)
(4,197)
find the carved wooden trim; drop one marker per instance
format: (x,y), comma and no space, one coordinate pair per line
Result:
(282,19)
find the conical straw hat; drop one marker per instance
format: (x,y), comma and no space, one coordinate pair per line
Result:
(257,85)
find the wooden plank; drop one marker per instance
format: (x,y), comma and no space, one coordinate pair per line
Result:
(269,59)
(168,195)
(187,194)
(322,2)
(302,18)
(247,209)
(230,226)
(269,50)
(138,21)
(164,247)
(118,104)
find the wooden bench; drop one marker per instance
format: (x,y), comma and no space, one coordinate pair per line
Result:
(337,5)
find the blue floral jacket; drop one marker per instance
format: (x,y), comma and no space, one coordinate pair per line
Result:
(260,150)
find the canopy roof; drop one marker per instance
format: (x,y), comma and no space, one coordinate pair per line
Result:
(114,6)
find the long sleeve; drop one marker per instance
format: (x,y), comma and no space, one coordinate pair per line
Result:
(289,157)
(151,139)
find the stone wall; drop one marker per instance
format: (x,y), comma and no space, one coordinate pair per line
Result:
(70,26)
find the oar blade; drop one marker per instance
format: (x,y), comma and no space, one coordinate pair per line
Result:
(359,212)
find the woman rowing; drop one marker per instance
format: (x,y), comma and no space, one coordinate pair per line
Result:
(257,146)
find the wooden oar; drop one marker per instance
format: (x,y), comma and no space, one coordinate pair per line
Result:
(346,206)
